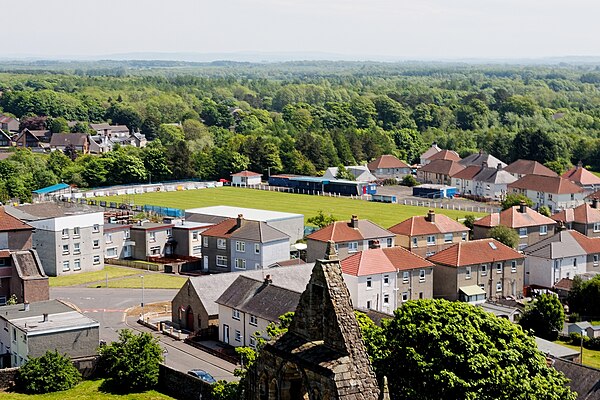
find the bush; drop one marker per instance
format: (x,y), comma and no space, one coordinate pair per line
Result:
(409,181)
(576,339)
(223,390)
(51,372)
(389,182)
(131,364)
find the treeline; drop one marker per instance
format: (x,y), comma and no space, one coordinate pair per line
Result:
(318,115)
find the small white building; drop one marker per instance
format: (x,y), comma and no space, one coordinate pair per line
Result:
(246,178)
(555,192)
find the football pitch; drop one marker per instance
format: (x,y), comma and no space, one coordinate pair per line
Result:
(341,208)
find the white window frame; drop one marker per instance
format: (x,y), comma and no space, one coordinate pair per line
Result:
(405,276)
(464,236)
(468,272)
(513,266)
(386,299)
(169,232)
(96,243)
(110,250)
(368,304)
(95,228)
(352,247)
(253,320)
(483,269)
(235,314)
(252,342)
(195,236)
(499,286)
(450,236)
(422,275)
(595,258)
(543,229)
(197,250)
(66,266)
(96,259)
(205,241)
(221,261)
(238,336)
(77,264)
(499,268)
(152,236)
(431,242)
(108,238)
(126,234)
(65,233)
(386,280)
(596,226)
(390,242)
(404,296)
(221,243)
(77,248)
(240,263)
(522,232)
(256,248)
(76,231)
(415,242)
(240,246)
(65,249)
(369,283)
(155,250)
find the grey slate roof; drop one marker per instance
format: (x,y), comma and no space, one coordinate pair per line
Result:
(39,211)
(64,139)
(35,309)
(258,231)
(561,245)
(494,175)
(480,158)
(555,350)
(259,298)
(583,379)
(210,287)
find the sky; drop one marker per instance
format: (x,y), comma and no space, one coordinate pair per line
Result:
(358,29)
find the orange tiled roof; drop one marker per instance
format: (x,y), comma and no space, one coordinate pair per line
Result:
(584,214)
(445,167)
(10,223)
(247,173)
(513,218)
(581,176)
(420,225)
(380,261)
(475,252)
(342,231)
(529,167)
(386,161)
(546,184)
(445,155)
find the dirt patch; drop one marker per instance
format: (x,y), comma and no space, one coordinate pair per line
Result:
(163,307)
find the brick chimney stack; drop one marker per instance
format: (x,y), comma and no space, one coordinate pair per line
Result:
(375,244)
(354,222)
(523,207)
(595,202)
(431,216)
(240,219)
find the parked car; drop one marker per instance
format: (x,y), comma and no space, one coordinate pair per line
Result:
(203,375)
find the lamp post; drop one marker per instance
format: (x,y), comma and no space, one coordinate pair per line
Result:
(581,350)
(142,276)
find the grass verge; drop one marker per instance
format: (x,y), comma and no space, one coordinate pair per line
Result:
(87,390)
(590,357)
(88,277)
(151,281)
(383,214)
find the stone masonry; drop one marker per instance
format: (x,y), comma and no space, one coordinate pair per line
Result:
(322,356)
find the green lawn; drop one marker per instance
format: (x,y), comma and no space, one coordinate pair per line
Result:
(151,281)
(87,390)
(88,277)
(383,214)
(590,357)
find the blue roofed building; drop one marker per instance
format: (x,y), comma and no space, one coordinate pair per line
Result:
(48,193)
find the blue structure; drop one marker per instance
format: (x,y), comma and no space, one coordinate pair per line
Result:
(49,192)
(314,184)
(384,198)
(431,191)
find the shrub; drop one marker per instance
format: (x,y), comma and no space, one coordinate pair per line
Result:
(409,181)
(51,372)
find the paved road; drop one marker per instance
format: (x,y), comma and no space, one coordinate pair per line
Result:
(108,307)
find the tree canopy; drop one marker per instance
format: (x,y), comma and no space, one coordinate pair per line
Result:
(505,235)
(51,372)
(545,316)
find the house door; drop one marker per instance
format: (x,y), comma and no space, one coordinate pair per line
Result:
(226,334)
(127,251)
(189,319)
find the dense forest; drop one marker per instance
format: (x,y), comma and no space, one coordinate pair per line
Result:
(206,121)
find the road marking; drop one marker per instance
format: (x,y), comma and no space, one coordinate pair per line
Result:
(93,310)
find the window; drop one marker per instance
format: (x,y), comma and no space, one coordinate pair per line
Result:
(448,238)
(65,233)
(154,251)
(108,237)
(404,296)
(253,320)
(205,241)
(152,236)
(235,314)
(369,283)
(240,246)
(420,295)
(65,249)
(96,259)
(221,243)
(499,286)
(597,227)
(238,336)
(430,240)
(76,231)
(196,249)
(415,241)
(95,228)
(240,263)
(523,232)
(352,247)
(368,304)
(513,266)
(76,265)
(221,261)
(96,244)
(169,232)
(111,252)
(390,242)
(483,269)
(544,230)
(76,248)
(464,236)
(429,253)
(195,236)
(595,260)
(126,234)
(252,341)
(66,266)
(575,262)
(468,273)
(256,248)
(499,268)
(386,280)
(2,262)
(422,275)
(386,299)
(405,276)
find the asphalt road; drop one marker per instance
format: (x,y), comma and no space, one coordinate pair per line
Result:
(108,307)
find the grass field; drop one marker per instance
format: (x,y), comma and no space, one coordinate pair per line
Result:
(590,357)
(151,281)
(88,277)
(86,390)
(383,214)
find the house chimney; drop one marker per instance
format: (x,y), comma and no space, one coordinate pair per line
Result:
(240,218)
(523,207)
(560,226)
(45,316)
(106,132)
(268,279)
(579,164)
(375,244)
(354,222)
(595,202)
(484,164)
(499,166)
(26,306)
(431,216)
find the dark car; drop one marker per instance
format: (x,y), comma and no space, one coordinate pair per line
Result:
(202,374)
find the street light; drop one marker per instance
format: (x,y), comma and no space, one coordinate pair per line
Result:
(581,350)
(142,276)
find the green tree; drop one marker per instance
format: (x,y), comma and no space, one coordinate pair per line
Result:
(51,372)
(512,200)
(584,297)
(223,390)
(321,220)
(343,173)
(504,235)
(409,181)
(59,125)
(131,363)
(469,221)
(436,349)
(545,211)
(545,316)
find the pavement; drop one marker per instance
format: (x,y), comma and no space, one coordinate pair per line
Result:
(109,307)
